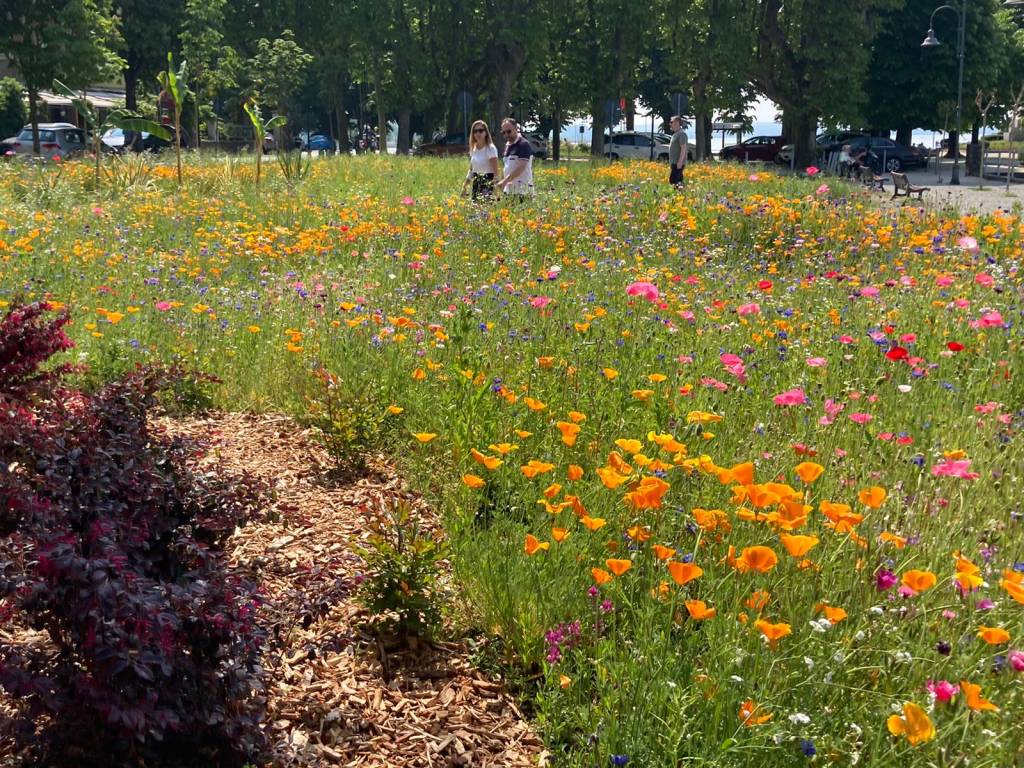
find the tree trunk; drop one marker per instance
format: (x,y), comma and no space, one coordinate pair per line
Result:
(803,140)
(404,134)
(954,144)
(342,117)
(556,132)
(131,82)
(500,105)
(630,115)
(382,128)
(788,131)
(708,124)
(904,135)
(701,129)
(974,134)
(597,132)
(33,106)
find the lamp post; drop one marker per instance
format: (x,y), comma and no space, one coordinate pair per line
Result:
(931,41)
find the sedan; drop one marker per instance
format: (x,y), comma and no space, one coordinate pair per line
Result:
(763,148)
(56,140)
(884,154)
(444,146)
(634,145)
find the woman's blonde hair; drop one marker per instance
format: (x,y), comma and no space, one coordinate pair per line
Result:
(472,137)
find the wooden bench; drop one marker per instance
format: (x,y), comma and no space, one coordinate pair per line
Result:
(869,178)
(903,187)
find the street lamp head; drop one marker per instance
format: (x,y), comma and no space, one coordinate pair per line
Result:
(931,41)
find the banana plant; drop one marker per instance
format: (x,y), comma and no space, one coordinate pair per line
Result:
(260,129)
(116,118)
(175,84)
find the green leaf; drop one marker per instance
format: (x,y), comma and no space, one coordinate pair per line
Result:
(172,80)
(142,125)
(275,122)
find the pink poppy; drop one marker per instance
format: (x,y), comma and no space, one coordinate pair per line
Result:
(795,396)
(646,290)
(942,690)
(985,279)
(721,386)
(869,291)
(540,302)
(822,190)
(968,244)
(817,362)
(163,306)
(955,468)
(944,281)
(813,170)
(861,418)
(753,308)
(991,319)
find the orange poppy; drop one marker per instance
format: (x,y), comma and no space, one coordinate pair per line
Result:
(618,567)
(808,471)
(534,468)
(424,437)
(1014,588)
(897,541)
(610,478)
(600,575)
(699,610)
(684,573)
(914,724)
(798,546)
(743,473)
(559,534)
(833,613)
(576,417)
(774,632)
(488,462)
(616,462)
(533,545)
(533,404)
(609,373)
(872,497)
(661,552)
(841,516)
(473,481)
(758,600)
(973,699)
(648,494)
(993,635)
(639,533)
(575,472)
(761,559)
(629,446)
(918,581)
(752,714)
(569,432)
(593,523)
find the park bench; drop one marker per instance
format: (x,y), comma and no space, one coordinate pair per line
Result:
(870,179)
(903,187)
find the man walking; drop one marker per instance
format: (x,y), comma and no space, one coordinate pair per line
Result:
(518,171)
(677,151)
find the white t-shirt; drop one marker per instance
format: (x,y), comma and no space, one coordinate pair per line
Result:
(517,152)
(480,159)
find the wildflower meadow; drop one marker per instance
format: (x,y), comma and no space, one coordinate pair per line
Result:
(729,476)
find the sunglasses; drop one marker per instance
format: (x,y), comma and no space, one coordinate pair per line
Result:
(479,130)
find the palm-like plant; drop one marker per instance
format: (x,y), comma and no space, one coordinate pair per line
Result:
(260,129)
(116,118)
(175,83)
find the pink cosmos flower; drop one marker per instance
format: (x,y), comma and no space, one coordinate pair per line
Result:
(813,170)
(540,302)
(869,290)
(861,418)
(846,339)
(408,200)
(734,365)
(687,315)
(984,279)
(721,386)
(753,308)
(822,190)
(163,306)
(817,362)
(795,396)
(991,319)
(944,281)
(968,244)
(942,690)
(645,290)
(955,468)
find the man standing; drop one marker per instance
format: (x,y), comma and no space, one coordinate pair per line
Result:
(677,151)
(518,158)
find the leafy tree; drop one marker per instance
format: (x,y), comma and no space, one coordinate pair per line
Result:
(175,84)
(148,31)
(277,69)
(12,107)
(906,83)
(67,39)
(260,129)
(214,64)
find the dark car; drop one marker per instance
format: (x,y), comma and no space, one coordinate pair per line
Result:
(884,154)
(763,148)
(444,146)
(833,142)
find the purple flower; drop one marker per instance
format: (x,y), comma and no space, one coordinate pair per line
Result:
(619,759)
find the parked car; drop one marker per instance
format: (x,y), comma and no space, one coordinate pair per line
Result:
(443,146)
(833,142)
(316,142)
(635,145)
(61,140)
(691,151)
(762,148)
(884,154)
(141,141)
(7,146)
(539,145)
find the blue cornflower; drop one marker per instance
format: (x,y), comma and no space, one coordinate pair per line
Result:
(619,759)
(807,747)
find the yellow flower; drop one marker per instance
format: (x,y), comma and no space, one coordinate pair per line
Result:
(424,437)
(914,724)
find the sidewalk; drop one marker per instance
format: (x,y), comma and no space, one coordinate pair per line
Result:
(971,195)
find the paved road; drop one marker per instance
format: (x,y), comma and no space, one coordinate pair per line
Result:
(971,195)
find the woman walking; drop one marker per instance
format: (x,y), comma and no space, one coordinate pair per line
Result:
(483,162)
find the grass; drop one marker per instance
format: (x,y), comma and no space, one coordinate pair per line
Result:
(495,329)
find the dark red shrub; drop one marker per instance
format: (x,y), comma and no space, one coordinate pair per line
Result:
(108,548)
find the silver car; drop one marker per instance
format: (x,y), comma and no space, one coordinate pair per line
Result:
(61,140)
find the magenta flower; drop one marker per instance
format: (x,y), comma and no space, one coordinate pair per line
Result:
(1016,659)
(942,690)
(163,306)
(959,468)
(885,580)
(753,308)
(540,302)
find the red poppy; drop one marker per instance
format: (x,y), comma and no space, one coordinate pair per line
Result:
(955,346)
(897,353)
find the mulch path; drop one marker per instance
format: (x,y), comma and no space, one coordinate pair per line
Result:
(335,697)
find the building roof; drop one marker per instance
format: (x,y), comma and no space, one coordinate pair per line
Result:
(99,98)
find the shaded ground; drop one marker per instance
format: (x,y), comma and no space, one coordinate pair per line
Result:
(329,701)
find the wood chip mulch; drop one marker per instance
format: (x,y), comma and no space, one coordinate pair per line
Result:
(335,695)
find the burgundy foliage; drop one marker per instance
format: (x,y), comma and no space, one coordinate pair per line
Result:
(147,651)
